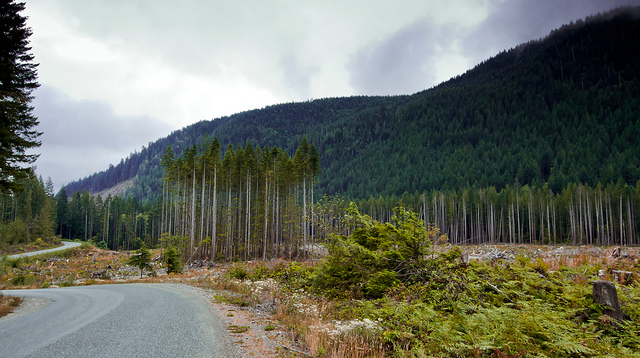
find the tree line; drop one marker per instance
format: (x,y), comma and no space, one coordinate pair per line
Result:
(223,216)
(112,222)
(521,214)
(238,204)
(244,203)
(28,213)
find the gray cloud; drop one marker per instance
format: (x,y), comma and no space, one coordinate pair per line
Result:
(83,137)
(513,22)
(297,79)
(133,62)
(403,63)
(413,58)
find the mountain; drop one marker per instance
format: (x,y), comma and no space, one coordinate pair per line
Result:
(557,110)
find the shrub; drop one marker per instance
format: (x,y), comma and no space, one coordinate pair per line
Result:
(22,279)
(86,245)
(376,255)
(238,272)
(141,259)
(172,259)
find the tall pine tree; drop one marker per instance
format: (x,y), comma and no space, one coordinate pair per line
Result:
(17,80)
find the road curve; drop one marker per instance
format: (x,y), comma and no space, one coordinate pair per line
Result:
(134,320)
(67,245)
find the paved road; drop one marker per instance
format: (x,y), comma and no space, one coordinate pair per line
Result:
(138,320)
(67,245)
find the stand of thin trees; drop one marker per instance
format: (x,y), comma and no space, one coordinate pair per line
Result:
(246,203)
(579,215)
(251,203)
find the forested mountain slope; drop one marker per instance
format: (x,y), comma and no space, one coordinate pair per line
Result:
(558,110)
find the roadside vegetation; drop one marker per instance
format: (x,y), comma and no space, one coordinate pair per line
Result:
(8,304)
(397,290)
(38,244)
(370,298)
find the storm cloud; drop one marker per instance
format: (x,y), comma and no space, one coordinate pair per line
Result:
(404,63)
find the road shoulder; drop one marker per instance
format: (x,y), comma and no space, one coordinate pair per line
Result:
(28,305)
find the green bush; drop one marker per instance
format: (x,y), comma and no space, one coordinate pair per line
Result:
(141,259)
(428,304)
(22,279)
(172,259)
(375,256)
(238,272)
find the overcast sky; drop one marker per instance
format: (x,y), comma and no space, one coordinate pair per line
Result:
(118,74)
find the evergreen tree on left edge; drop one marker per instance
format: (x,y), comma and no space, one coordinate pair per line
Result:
(17,80)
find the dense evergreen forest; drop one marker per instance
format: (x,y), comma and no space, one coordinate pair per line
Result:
(539,144)
(558,110)
(27,214)
(244,203)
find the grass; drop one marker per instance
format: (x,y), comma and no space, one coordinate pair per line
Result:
(237,329)
(84,265)
(38,244)
(8,304)
(534,302)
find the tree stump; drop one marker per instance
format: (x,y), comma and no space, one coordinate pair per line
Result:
(616,253)
(604,292)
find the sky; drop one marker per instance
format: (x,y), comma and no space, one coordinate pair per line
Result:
(116,75)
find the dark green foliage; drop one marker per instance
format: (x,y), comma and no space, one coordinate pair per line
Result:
(560,110)
(172,258)
(27,215)
(113,222)
(141,259)
(375,256)
(492,308)
(433,304)
(238,272)
(17,81)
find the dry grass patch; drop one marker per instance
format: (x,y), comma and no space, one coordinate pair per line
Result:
(85,265)
(8,304)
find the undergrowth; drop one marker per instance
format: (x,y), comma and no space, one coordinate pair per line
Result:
(8,304)
(385,291)
(437,305)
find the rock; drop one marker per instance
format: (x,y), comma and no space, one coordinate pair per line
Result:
(100,274)
(604,292)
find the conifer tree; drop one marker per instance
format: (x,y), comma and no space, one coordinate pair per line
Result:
(17,81)
(172,258)
(141,259)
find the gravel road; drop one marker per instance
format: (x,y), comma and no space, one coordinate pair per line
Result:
(67,245)
(135,320)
